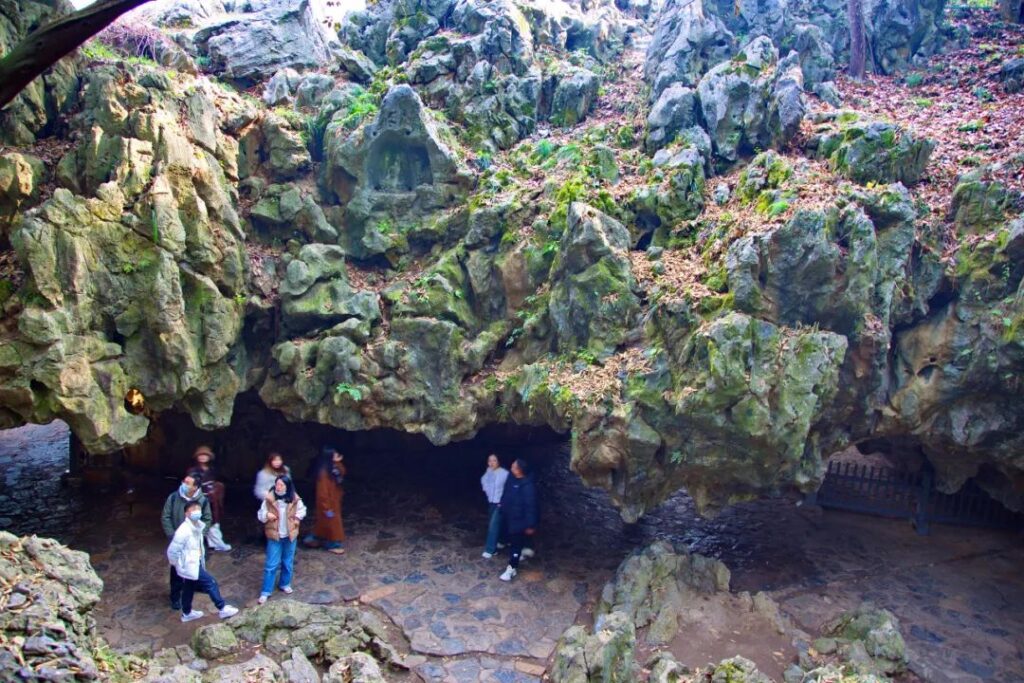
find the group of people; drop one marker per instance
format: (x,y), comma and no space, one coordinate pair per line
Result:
(512,503)
(192,516)
(193,513)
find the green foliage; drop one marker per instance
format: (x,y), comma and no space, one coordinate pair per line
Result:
(96,51)
(922,102)
(914,79)
(971,126)
(586,356)
(345,389)
(362,105)
(984,94)
(542,150)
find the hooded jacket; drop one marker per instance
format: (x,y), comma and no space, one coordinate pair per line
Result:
(174,511)
(519,504)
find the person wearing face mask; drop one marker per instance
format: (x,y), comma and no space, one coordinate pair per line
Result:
(174,514)
(187,555)
(329,472)
(493,484)
(281,512)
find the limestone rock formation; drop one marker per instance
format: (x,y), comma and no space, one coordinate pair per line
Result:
(46,625)
(391,171)
(264,36)
(39,108)
(870,151)
(752,101)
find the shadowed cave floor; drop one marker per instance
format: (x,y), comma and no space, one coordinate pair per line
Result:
(416,533)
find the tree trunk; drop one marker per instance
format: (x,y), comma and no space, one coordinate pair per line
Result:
(42,48)
(1012,10)
(858,46)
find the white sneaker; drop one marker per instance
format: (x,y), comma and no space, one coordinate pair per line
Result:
(502,546)
(191,616)
(287,590)
(228,612)
(263,599)
(509,574)
(527,552)
(487,556)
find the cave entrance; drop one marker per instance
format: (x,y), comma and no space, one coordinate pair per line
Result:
(888,480)
(35,473)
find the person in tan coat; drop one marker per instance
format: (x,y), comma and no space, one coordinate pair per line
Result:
(281,513)
(328,530)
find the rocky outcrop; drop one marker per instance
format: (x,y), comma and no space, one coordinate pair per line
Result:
(869,151)
(46,625)
(751,102)
(39,108)
(264,36)
(688,41)
(390,172)
(159,225)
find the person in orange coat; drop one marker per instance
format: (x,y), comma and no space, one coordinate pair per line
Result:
(329,473)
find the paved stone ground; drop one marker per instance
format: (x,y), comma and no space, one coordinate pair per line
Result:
(416,528)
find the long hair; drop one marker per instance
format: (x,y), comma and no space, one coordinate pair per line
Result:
(289,494)
(270,457)
(324,461)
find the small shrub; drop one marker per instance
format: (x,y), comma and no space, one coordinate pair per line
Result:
(915,79)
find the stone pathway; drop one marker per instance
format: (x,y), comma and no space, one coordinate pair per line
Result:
(416,527)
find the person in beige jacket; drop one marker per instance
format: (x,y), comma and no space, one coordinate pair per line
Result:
(281,513)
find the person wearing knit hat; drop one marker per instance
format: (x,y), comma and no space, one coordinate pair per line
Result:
(203,458)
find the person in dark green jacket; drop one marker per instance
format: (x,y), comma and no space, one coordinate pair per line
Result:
(174,514)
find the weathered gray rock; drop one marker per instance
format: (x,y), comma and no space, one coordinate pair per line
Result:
(258,668)
(357,667)
(214,641)
(687,42)
(815,55)
(1011,73)
(652,586)
(675,110)
(281,86)
(48,98)
(875,632)
(749,103)
(592,302)
(299,670)
(357,65)
(390,171)
(55,630)
(265,36)
(606,655)
(866,151)
(20,178)
(979,205)
(315,293)
(574,95)
(312,90)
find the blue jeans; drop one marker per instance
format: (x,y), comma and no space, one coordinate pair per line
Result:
(204,584)
(493,529)
(280,555)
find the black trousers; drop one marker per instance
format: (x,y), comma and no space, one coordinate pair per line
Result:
(516,540)
(204,584)
(176,585)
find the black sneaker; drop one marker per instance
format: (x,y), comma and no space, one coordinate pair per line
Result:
(176,606)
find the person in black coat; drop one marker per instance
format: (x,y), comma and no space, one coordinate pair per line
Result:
(519,510)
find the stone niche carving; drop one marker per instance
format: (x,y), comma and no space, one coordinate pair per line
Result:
(403,151)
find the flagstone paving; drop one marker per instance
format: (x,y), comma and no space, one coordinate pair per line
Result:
(416,529)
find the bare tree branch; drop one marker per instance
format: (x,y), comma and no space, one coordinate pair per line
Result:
(42,48)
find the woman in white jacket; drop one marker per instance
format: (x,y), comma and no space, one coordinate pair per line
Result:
(187,555)
(493,484)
